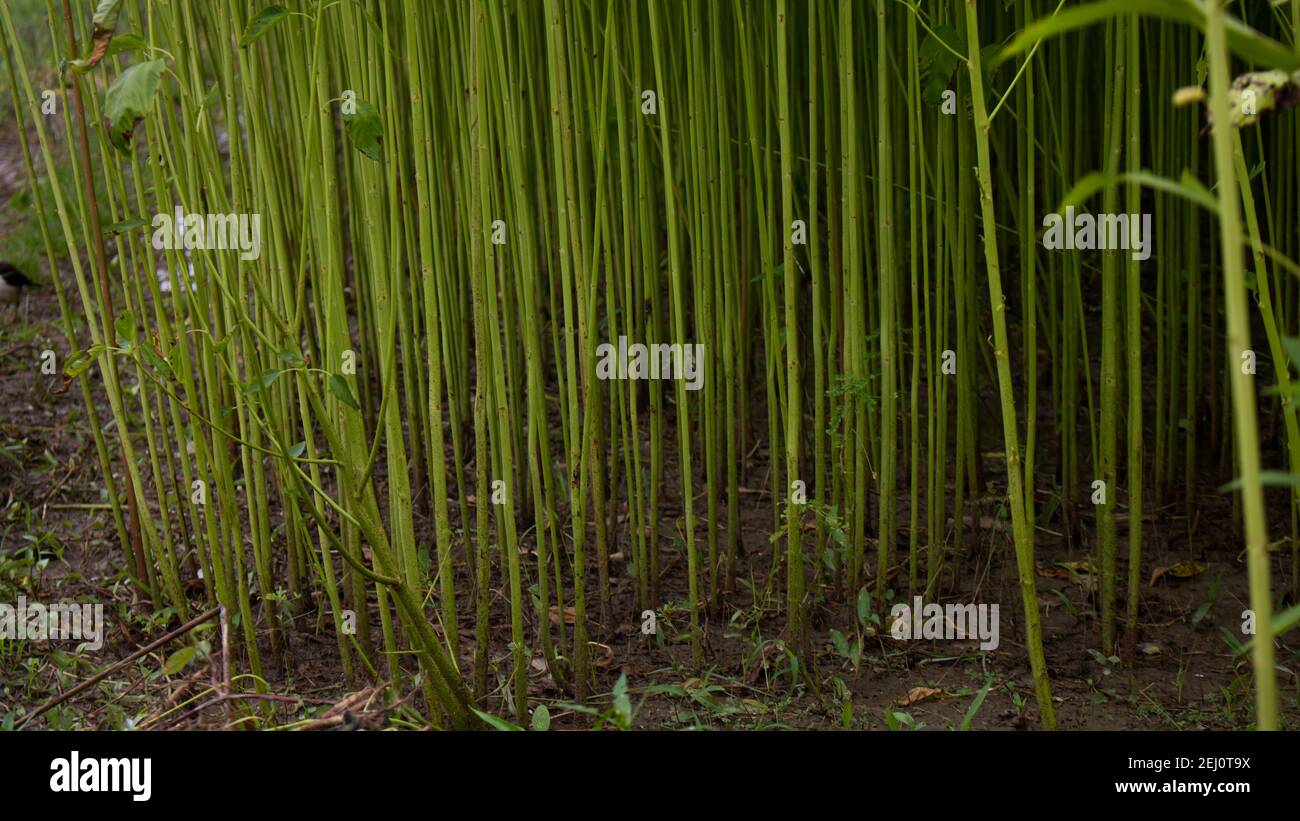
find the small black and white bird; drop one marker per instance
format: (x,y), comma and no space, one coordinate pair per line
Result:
(12,284)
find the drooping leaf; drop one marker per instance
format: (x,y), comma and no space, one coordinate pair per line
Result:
(129,98)
(80,362)
(124,327)
(101,35)
(938,62)
(1243,40)
(1283,622)
(339,387)
(106,14)
(494,722)
(1188,187)
(260,24)
(1267,478)
(365,129)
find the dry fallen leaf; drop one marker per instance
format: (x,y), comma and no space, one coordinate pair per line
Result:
(606,655)
(1182,570)
(919,694)
(1080,571)
(1052,572)
(570,615)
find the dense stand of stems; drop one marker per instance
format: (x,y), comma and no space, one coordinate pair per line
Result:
(400,415)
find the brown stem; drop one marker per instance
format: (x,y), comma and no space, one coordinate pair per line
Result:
(106,297)
(112,668)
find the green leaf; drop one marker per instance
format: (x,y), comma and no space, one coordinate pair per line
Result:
(1232,641)
(1283,622)
(210,99)
(297,450)
(1243,40)
(938,63)
(1286,620)
(1291,345)
(864,604)
(261,383)
(541,719)
(292,359)
(1201,612)
(841,644)
(622,704)
(179,660)
(496,723)
(129,98)
(1189,188)
(22,200)
(891,720)
(260,24)
(106,14)
(124,43)
(126,225)
(124,326)
(365,129)
(339,387)
(974,707)
(80,362)
(156,361)
(1267,478)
